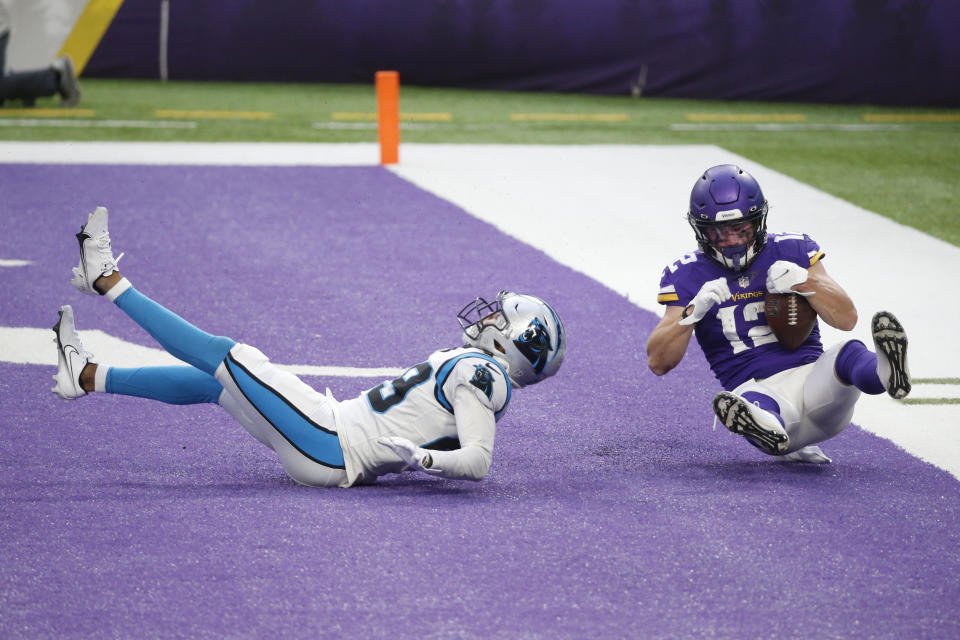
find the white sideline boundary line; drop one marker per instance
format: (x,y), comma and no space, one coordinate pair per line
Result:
(618,218)
(191,153)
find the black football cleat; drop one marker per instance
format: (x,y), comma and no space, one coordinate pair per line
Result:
(753,423)
(890,340)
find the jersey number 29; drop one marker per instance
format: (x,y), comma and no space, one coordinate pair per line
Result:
(391,393)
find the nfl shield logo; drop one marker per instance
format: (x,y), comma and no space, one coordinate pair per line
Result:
(744,282)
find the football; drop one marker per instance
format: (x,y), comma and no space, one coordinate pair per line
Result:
(790,317)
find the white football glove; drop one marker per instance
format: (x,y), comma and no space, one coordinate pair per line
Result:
(711,293)
(783,275)
(416,458)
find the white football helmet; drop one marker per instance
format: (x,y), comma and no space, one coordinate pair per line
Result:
(523,333)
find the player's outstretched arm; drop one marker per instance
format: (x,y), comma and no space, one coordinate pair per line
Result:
(668,342)
(828,298)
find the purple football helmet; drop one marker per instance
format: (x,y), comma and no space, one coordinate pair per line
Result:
(728,214)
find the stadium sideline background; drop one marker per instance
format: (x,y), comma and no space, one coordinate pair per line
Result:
(892,52)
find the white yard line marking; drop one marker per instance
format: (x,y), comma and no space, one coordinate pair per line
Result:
(415,126)
(934,391)
(569,117)
(213,114)
(27,345)
(767,126)
(924,390)
(369,126)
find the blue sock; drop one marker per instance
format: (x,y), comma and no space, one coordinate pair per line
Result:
(177,336)
(857,365)
(173,385)
(764,402)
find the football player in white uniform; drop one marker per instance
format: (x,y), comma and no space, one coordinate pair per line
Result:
(438,417)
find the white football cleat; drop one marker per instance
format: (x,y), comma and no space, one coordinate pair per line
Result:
(758,426)
(810,453)
(890,341)
(96,256)
(71,356)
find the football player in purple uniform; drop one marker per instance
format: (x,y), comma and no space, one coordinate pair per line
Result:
(438,417)
(783,402)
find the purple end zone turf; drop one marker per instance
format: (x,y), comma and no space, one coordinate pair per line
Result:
(611,510)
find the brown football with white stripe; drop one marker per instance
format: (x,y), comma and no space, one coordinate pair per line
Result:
(790,317)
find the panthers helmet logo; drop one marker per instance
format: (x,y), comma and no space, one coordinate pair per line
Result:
(534,344)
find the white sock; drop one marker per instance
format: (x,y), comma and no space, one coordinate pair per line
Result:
(100,378)
(114,292)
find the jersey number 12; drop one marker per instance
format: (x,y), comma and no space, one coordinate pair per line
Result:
(758,335)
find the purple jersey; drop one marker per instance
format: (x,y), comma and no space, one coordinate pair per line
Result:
(734,336)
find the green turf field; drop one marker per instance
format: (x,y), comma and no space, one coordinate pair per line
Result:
(898,162)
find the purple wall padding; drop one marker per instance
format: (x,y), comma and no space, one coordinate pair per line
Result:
(896,52)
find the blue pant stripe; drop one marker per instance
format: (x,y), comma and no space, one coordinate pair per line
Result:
(311,439)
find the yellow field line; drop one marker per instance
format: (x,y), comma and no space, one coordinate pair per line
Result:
(912,117)
(347,115)
(427,117)
(88,30)
(420,117)
(49,113)
(746,117)
(569,117)
(214,115)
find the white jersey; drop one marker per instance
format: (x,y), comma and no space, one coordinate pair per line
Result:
(449,404)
